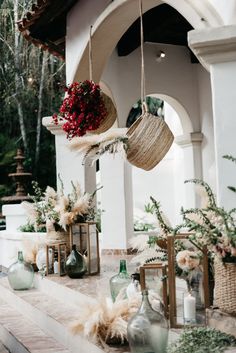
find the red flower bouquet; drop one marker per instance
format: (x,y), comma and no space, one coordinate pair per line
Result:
(83,109)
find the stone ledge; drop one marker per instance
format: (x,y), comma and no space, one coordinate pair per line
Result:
(221,321)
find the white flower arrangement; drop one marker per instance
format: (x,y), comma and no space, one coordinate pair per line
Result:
(56,210)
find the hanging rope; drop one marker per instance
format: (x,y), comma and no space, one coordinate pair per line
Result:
(143,88)
(90,55)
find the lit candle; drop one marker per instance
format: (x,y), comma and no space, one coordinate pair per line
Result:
(189,308)
(55,267)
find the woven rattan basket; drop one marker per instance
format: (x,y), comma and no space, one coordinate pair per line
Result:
(225,286)
(110,118)
(149,139)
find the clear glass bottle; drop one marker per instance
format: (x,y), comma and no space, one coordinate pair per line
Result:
(148,329)
(75,264)
(21,274)
(120,282)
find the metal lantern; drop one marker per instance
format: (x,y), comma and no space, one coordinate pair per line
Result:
(56,254)
(176,290)
(154,276)
(85,237)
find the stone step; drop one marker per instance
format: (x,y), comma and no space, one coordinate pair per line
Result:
(52,316)
(3,349)
(20,335)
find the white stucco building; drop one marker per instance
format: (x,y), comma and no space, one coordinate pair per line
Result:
(199,91)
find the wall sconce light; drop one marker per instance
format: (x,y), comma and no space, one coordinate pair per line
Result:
(160,55)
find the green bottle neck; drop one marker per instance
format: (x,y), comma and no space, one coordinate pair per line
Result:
(123,268)
(20,256)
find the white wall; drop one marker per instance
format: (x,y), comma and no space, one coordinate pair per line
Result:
(227,10)
(206,116)
(166,181)
(174,76)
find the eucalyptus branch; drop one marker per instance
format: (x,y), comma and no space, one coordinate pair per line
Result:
(166,229)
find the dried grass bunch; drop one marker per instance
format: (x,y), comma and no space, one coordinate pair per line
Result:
(104,322)
(57,210)
(93,146)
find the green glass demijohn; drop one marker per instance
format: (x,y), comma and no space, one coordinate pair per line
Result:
(75,264)
(147,330)
(120,282)
(21,274)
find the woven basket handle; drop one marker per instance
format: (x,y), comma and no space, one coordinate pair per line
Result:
(143,88)
(90,55)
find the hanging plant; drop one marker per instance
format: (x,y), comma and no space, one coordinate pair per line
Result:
(83,109)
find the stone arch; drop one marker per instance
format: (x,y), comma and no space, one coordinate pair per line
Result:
(117,18)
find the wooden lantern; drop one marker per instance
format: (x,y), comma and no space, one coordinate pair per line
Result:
(56,254)
(157,271)
(176,319)
(85,237)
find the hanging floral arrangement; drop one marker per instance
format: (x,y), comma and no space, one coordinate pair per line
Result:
(83,109)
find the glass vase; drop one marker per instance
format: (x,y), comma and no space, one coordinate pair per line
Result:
(120,282)
(75,264)
(147,330)
(21,274)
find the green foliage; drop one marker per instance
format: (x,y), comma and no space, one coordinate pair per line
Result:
(202,340)
(26,91)
(29,227)
(155,107)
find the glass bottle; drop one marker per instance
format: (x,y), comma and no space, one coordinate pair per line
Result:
(75,264)
(21,274)
(148,329)
(120,282)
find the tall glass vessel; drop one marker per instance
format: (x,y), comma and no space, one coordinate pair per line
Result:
(75,264)
(21,274)
(148,329)
(120,282)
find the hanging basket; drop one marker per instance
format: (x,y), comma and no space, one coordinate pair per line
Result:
(225,286)
(109,119)
(149,139)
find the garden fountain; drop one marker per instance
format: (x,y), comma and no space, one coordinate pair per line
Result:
(20,177)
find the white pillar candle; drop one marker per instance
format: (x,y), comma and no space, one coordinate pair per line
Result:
(55,267)
(189,308)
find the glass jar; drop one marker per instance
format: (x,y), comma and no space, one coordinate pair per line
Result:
(120,282)
(75,264)
(148,329)
(21,274)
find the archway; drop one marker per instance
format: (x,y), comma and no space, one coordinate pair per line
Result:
(117,18)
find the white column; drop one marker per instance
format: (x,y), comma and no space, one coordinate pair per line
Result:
(191,144)
(69,164)
(216,50)
(117,202)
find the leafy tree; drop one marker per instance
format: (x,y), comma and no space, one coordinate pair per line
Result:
(30,82)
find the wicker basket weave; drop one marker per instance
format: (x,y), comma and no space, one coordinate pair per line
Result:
(225,286)
(149,139)
(109,119)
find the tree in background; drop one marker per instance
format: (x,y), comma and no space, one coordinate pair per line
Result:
(30,82)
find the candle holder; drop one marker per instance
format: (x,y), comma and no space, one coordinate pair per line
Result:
(85,237)
(178,285)
(56,255)
(152,274)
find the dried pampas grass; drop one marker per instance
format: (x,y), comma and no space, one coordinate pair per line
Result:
(93,146)
(104,322)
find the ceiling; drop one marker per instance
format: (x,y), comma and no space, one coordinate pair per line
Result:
(162,24)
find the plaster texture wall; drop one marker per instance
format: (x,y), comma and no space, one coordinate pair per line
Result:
(174,77)
(206,120)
